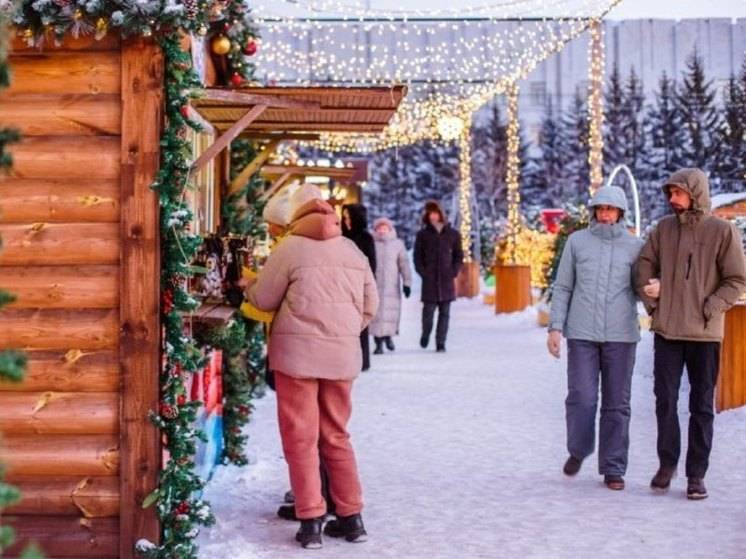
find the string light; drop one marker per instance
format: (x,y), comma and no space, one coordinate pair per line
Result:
(512,175)
(464,166)
(595,105)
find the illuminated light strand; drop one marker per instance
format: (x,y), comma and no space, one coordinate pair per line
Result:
(465,189)
(512,175)
(595,106)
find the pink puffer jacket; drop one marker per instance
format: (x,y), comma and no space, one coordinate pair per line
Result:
(324,293)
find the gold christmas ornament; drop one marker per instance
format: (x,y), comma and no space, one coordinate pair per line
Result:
(101,28)
(221,45)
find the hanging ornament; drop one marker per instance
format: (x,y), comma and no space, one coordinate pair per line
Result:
(221,45)
(168,411)
(192,9)
(101,28)
(236,79)
(251,48)
(202,31)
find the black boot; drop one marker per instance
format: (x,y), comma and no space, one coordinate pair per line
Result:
(348,527)
(440,348)
(379,346)
(614,482)
(424,340)
(309,534)
(695,489)
(389,343)
(287,512)
(572,466)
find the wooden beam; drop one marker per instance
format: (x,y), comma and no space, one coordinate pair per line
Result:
(139,319)
(247,172)
(66,536)
(228,136)
(206,125)
(309,126)
(243,98)
(290,136)
(87,496)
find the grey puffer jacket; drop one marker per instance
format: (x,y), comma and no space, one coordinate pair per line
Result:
(392,269)
(593,296)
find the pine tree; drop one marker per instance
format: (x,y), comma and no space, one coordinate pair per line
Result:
(575,174)
(633,129)
(733,147)
(489,154)
(665,138)
(614,122)
(548,162)
(696,100)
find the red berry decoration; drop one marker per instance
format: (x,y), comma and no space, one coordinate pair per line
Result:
(236,79)
(182,508)
(168,411)
(184,110)
(251,48)
(181,400)
(168,301)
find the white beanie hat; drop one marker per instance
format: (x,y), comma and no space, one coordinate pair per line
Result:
(302,195)
(277,210)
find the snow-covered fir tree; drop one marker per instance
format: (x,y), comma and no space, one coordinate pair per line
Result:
(732,144)
(614,122)
(575,176)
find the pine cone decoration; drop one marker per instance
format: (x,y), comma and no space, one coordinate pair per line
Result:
(192,8)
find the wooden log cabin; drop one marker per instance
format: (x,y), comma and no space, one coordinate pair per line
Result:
(80,230)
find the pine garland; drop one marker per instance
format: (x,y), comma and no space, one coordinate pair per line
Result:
(179,508)
(576,218)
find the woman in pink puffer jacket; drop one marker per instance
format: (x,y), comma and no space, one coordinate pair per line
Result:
(324,294)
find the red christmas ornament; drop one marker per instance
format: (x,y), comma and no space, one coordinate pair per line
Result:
(167,301)
(251,48)
(182,508)
(181,400)
(236,79)
(184,110)
(168,411)
(243,409)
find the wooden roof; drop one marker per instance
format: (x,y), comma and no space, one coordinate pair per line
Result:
(345,174)
(303,109)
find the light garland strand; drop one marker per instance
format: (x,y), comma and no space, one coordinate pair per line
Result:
(595,105)
(464,165)
(512,174)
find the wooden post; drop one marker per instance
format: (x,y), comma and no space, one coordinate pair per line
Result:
(512,288)
(731,388)
(261,158)
(142,94)
(467,281)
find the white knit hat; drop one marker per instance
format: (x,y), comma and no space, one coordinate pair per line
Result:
(303,194)
(277,210)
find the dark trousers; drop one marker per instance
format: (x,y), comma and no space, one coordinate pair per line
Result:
(702,360)
(612,363)
(428,315)
(365,346)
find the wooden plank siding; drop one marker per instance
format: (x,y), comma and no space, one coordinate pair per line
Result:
(80,250)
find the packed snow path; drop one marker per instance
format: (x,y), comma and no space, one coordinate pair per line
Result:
(460,456)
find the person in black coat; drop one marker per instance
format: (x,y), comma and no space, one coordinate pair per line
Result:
(355,228)
(438,257)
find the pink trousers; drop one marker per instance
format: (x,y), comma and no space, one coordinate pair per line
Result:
(313,416)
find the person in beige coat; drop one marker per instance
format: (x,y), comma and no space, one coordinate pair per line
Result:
(689,273)
(324,294)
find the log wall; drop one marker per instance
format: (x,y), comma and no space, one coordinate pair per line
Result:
(80,230)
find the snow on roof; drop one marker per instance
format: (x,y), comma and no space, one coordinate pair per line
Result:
(727,198)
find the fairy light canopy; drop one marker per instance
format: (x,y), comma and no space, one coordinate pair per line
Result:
(453,59)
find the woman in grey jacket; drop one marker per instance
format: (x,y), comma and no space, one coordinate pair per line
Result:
(594,305)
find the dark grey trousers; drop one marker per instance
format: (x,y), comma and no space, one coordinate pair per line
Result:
(428,317)
(613,363)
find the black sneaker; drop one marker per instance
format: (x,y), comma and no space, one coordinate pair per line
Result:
(348,527)
(287,512)
(616,483)
(695,489)
(572,466)
(662,479)
(389,343)
(440,348)
(309,534)
(424,341)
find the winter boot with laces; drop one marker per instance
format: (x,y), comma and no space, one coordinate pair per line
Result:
(309,534)
(348,527)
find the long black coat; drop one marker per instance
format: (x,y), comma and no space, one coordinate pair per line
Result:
(438,258)
(359,232)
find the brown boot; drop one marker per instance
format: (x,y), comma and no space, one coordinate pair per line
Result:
(662,479)
(615,483)
(572,466)
(695,489)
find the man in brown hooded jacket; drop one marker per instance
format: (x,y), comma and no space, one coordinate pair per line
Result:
(689,273)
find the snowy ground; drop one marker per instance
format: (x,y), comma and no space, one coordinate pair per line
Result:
(461,454)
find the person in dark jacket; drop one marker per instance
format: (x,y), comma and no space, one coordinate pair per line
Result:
(355,228)
(438,257)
